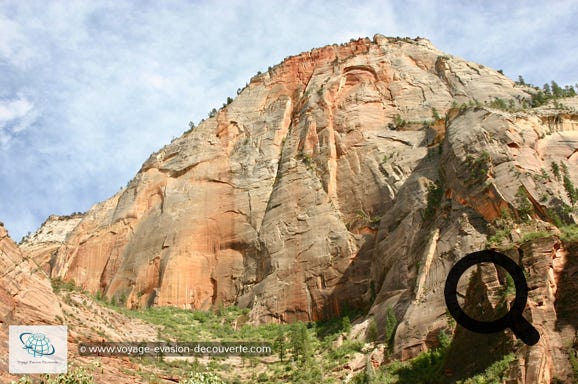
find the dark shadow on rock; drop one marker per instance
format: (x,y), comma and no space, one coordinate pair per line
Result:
(566,302)
(472,352)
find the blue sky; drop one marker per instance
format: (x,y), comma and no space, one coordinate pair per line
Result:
(89,89)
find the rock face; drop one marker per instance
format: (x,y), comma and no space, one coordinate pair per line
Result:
(549,265)
(350,176)
(25,291)
(26,296)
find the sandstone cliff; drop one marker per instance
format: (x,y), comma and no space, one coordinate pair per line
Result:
(350,176)
(549,265)
(26,296)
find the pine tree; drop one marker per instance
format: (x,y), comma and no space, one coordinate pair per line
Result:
(300,343)
(279,344)
(346,324)
(390,326)
(556,89)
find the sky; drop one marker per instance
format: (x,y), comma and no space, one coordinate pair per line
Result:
(89,89)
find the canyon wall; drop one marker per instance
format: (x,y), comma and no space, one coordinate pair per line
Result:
(349,177)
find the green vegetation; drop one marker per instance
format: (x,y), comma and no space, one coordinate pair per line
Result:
(371,333)
(368,220)
(525,207)
(191,127)
(538,97)
(498,104)
(493,374)
(555,169)
(434,198)
(501,228)
(76,375)
(346,324)
(398,123)
(535,235)
(479,166)
(549,91)
(427,367)
(304,352)
(573,361)
(203,378)
(571,191)
(307,160)
(390,326)
(569,232)
(58,285)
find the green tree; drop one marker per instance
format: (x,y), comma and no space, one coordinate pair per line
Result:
(570,190)
(557,91)
(390,326)
(555,169)
(346,324)
(525,207)
(371,333)
(280,344)
(300,343)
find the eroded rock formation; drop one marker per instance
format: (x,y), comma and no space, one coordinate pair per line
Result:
(26,296)
(350,176)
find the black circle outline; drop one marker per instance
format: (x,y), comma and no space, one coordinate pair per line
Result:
(513,319)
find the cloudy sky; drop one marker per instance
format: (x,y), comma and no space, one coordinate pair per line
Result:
(89,89)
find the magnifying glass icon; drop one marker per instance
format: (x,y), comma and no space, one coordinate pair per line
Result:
(513,319)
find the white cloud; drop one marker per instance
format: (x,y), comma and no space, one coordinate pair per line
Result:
(16,115)
(14,46)
(114,79)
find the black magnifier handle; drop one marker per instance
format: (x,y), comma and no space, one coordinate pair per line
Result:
(513,319)
(523,329)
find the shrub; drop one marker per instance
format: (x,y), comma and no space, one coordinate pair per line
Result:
(573,362)
(555,169)
(371,332)
(74,376)
(525,207)
(570,190)
(203,378)
(494,373)
(390,326)
(434,198)
(479,167)
(346,324)
(59,285)
(569,232)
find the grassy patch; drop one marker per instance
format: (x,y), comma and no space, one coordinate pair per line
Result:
(535,235)
(434,198)
(493,374)
(569,232)
(59,285)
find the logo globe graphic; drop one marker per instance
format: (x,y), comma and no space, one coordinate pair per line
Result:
(37,344)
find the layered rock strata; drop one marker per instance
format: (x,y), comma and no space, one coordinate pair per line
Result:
(351,176)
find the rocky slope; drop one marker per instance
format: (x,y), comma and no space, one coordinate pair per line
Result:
(26,296)
(549,265)
(350,176)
